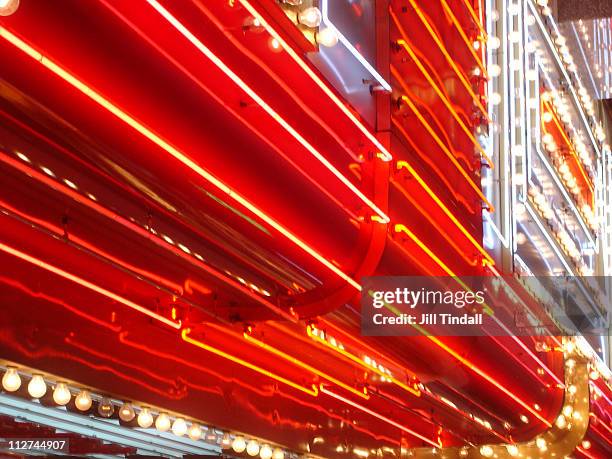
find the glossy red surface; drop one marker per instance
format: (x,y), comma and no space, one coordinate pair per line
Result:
(144,225)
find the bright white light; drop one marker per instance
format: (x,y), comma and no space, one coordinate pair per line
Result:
(11,381)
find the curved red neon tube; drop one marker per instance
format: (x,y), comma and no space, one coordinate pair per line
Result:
(85,283)
(180,27)
(144,131)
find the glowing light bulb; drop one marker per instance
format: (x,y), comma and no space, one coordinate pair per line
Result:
(194,432)
(239,444)
(547,117)
(278,454)
(179,427)
(310,17)
(561,422)
(83,401)
(252,448)
(327,37)
(37,387)
(586,444)
(572,389)
(145,418)
(265,452)
(126,412)
(494,70)
(495,98)
(61,394)
(494,42)
(541,443)
(274,45)
(486,451)
(8,7)
(106,408)
(512,450)
(162,423)
(11,381)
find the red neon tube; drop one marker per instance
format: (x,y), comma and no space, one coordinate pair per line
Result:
(144,131)
(180,27)
(89,285)
(378,416)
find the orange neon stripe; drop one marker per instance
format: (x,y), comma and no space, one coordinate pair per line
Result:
(449,238)
(475,98)
(459,72)
(354,358)
(475,18)
(313,75)
(363,394)
(399,228)
(444,98)
(464,37)
(180,27)
(140,128)
(67,191)
(378,416)
(448,153)
(442,176)
(489,379)
(89,285)
(185,336)
(560,128)
(449,214)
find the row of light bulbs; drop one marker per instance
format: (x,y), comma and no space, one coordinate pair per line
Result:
(311,17)
(83,401)
(563,237)
(567,58)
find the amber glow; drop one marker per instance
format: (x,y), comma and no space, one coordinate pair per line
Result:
(185,336)
(448,153)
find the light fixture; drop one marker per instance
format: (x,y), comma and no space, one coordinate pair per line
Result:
(145,418)
(126,412)
(239,444)
(512,450)
(194,432)
(61,394)
(226,441)
(310,17)
(37,387)
(486,451)
(494,42)
(106,408)
(586,444)
(541,443)
(327,37)
(561,422)
(8,7)
(252,448)
(162,423)
(83,401)
(495,98)
(11,381)
(494,70)
(265,452)
(179,427)
(278,454)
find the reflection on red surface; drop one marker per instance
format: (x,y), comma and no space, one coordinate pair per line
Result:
(235,189)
